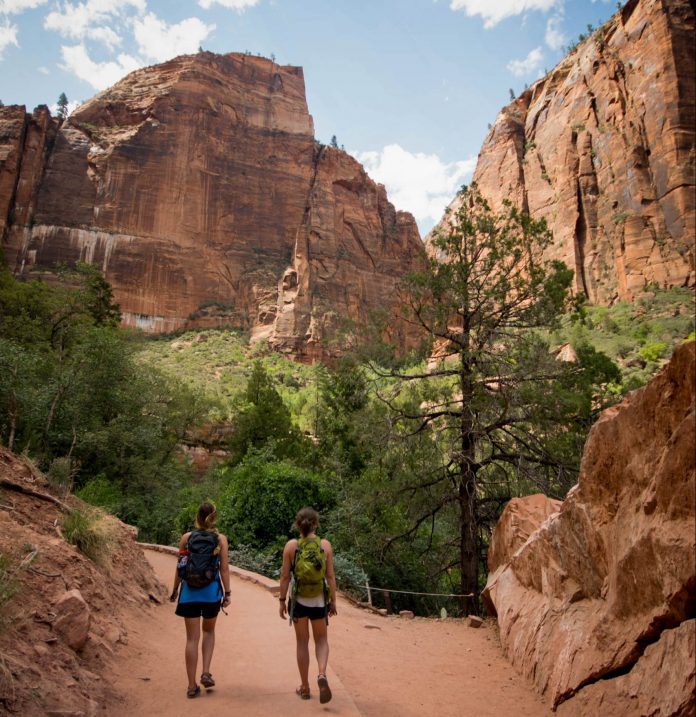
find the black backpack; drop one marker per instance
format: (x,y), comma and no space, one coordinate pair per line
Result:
(203,562)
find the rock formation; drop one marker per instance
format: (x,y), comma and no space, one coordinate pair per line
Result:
(61,615)
(198,188)
(603,148)
(598,605)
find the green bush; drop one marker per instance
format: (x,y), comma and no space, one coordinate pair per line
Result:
(258,561)
(262,497)
(653,351)
(350,577)
(86,530)
(102,493)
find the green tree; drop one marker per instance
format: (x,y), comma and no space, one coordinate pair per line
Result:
(62,106)
(483,296)
(265,420)
(262,497)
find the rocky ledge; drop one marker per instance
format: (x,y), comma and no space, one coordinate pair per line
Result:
(598,605)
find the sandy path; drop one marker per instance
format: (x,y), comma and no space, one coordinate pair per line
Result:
(379,667)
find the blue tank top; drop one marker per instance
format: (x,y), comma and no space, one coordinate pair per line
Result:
(210,593)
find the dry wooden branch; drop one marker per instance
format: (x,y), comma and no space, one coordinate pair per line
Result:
(10,485)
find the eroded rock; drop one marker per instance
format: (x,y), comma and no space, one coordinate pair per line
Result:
(73,619)
(603,149)
(198,188)
(612,572)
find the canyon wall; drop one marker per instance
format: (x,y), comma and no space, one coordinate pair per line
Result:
(598,605)
(603,149)
(198,188)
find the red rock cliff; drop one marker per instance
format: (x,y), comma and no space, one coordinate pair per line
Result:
(597,605)
(197,186)
(603,149)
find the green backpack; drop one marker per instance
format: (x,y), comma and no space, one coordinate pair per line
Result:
(309,568)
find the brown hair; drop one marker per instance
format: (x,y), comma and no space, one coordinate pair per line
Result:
(306,520)
(206,517)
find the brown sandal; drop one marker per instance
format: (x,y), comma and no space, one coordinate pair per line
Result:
(193,691)
(207,680)
(302,692)
(324,689)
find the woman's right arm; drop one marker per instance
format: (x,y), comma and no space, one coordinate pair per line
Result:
(177,577)
(288,552)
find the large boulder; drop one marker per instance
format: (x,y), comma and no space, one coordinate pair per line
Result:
(73,619)
(598,603)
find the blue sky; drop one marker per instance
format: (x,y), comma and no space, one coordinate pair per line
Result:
(407,86)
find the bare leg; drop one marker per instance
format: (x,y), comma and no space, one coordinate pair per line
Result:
(208,642)
(302,637)
(321,644)
(193,636)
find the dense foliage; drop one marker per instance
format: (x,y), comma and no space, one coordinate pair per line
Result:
(376,450)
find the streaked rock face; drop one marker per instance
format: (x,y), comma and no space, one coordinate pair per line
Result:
(597,606)
(603,149)
(197,186)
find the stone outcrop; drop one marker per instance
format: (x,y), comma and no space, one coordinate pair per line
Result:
(65,614)
(597,606)
(73,618)
(198,188)
(603,149)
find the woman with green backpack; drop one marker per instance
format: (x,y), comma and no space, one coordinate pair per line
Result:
(308,579)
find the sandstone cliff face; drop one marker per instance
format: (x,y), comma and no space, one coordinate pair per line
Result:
(198,188)
(598,605)
(603,149)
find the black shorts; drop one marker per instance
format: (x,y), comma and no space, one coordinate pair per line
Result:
(206,610)
(313,613)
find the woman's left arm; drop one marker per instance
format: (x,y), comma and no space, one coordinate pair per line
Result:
(225,569)
(330,576)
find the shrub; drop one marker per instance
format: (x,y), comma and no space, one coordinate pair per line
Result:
(350,577)
(102,493)
(258,561)
(87,531)
(262,497)
(653,351)
(61,474)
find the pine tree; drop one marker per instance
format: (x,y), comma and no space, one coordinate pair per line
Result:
(491,403)
(62,106)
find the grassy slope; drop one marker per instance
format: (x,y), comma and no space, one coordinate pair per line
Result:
(217,363)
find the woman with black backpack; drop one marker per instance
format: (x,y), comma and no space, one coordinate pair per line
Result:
(309,562)
(204,576)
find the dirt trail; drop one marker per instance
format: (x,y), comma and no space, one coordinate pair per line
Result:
(379,667)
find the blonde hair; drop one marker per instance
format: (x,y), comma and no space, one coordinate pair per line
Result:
(206,517)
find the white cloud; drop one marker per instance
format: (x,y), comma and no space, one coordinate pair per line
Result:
(239,5)
(555,38)
(159,41)
(529,66)
(98,74)
(493,11)
(11,7)
(8,36)
(92,19)
(43,70)
(419,183)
